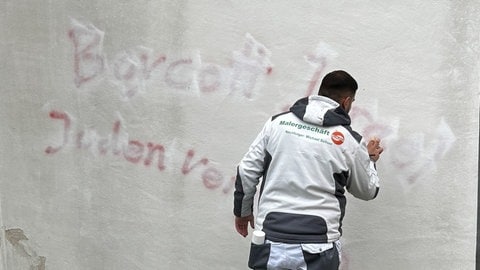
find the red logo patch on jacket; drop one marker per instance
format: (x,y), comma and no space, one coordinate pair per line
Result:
(337,137)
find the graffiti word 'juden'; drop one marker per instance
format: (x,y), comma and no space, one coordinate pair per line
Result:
(134,151)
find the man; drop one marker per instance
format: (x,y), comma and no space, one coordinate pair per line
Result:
(306,157)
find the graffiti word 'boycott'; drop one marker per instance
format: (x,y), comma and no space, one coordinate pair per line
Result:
(130,70)
(133,151)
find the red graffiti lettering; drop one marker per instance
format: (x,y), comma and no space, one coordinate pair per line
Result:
(175,75)
(132,69)
(152,148)
(134,151)
(116,150)
(319,60)
(88,57)
(212,178)
(149,67)
(210,78)
(187,168)
(66,130)
(370,127)
(314,81)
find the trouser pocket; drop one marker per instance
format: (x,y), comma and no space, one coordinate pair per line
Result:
(259,255)
(325,259)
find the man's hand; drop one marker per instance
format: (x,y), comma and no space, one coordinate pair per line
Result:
(374,149)
(241,224)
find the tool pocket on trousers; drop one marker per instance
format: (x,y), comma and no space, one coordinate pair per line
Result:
(325,258)
(259,255)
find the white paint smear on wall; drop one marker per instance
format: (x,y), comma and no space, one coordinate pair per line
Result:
(123,122)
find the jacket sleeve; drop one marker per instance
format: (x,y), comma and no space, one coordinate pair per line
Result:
(363,182)
(249,171)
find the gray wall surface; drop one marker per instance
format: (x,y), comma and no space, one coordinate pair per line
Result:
(122,123)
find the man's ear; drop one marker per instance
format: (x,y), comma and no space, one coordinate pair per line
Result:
(346,101)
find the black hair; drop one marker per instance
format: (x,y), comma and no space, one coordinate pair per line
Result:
(337,85)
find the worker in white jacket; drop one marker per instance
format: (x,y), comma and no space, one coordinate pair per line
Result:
(305,157)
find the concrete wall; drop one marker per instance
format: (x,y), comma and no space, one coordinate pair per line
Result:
(122,123)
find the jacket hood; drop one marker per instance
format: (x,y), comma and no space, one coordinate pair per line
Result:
(321,111)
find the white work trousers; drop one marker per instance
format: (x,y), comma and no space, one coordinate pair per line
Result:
(282,256)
